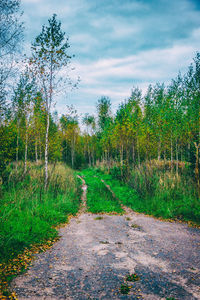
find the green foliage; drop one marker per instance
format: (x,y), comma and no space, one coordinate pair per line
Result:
(124,289)
(28,213)
(7,151)
(99,198)
(104,112)
(50,47)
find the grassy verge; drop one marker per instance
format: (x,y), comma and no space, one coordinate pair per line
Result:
(154,190)
(29,214)
(99,198)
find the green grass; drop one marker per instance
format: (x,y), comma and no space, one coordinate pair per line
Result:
(99,198)
(28,213)
(155,191)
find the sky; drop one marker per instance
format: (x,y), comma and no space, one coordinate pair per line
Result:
(119,44)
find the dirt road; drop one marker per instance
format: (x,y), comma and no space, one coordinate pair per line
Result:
(94,255)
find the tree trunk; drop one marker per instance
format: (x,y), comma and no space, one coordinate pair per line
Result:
(127,154)
(40,148)
(138,151)
(89,157)
(106,157)
(73,149)
(147,148)
(36,151)
(121,155)
(66,155)
(49,95)
(159,149)
(189,152)
(93,163)
(72,157)
(17,148)
(181,154)
(171,150)
(46,152)
(171,153)
(133,153)
(26,150)
(121,158)
(176,157)
(85,152)
(165,155)
(197,165)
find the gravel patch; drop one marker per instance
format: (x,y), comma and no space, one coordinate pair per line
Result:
(94,256)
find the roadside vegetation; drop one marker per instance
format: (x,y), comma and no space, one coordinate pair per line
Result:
(29,213)
(154,189)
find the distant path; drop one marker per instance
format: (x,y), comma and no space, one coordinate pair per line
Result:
(83,197)
(93,257)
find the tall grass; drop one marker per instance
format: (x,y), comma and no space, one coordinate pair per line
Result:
(155,188)
(29,214)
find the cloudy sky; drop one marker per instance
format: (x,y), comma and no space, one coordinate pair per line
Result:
(119,44)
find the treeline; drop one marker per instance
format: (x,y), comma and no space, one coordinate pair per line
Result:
(162,124)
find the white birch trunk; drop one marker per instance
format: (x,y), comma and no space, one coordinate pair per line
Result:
(17,148)
(138,151)
(176,157)
(26,150)
(46,152)
(171,150)
(40,148)
(48,107)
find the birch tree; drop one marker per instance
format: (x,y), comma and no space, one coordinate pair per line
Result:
(49,61)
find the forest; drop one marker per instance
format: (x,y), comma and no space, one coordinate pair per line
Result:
(148,150)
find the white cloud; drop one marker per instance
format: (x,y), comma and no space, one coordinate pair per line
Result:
(114,77)
(156,64)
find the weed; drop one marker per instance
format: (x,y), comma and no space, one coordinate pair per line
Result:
(135,226)
(98,218)
(124,289)
(128,219)
(132,277)
(103,242)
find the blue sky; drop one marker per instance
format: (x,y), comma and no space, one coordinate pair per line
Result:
(119,44)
